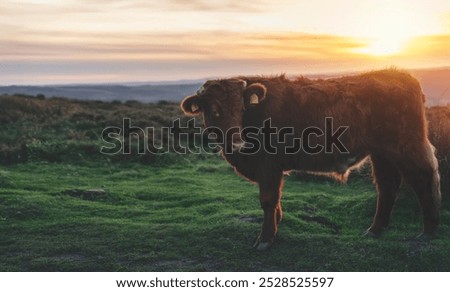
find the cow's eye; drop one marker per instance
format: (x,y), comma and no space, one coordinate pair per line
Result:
(214,111)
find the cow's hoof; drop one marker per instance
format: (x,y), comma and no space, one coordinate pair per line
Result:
(370,234)
(261,245)
(424,237)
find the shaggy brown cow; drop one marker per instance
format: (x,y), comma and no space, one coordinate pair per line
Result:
(383,116)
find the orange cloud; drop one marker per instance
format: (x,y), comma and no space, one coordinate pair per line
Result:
(175,46)
(113,57)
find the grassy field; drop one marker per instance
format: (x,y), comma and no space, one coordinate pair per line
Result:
(66,207)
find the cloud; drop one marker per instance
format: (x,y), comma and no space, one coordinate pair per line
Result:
(144,40)
(175,46)
(163,56)
(249,6)
(428,51)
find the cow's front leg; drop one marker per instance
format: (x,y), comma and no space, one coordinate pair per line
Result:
(270,199)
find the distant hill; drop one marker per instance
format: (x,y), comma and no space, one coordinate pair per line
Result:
(435,83)
(148,93)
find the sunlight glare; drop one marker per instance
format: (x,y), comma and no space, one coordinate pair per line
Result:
(389,35)
(389,31)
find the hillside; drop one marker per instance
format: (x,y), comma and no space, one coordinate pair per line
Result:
(64,206)
(435,83)
(146,93)
(61,130)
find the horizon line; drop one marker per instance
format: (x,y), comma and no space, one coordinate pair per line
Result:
(185,81)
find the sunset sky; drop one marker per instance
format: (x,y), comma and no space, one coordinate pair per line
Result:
(107,41)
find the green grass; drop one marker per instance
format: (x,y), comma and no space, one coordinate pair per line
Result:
(197,215)
(183,212)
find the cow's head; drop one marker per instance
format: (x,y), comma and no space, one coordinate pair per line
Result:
(223,103)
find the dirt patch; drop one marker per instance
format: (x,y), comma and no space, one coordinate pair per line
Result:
(91,195)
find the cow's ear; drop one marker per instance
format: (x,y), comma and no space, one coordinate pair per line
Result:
(190,105)
(254,94)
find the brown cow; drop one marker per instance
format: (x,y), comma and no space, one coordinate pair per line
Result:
(383,116)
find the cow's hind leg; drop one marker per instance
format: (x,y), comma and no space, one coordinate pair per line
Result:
(387,178)
(270,199)
(421,172)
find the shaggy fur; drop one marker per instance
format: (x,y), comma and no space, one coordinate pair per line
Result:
(384,113)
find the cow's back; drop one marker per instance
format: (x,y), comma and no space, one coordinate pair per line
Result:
(382,111)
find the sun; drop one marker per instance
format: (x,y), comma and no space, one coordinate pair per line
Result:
(388,35)
(386,45)
(388,30)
